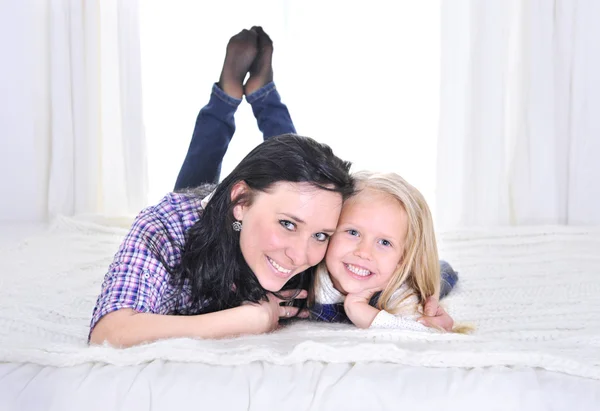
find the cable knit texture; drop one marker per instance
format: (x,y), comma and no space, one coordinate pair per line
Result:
(533,295)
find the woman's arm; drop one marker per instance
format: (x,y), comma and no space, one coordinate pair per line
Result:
(126,327)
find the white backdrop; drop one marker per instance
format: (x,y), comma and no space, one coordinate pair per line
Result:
(98,148)
(518,132)
(72,137)
(519,127)
(360,76)
(23,112)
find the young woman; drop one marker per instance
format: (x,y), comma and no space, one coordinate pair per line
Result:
(188,270)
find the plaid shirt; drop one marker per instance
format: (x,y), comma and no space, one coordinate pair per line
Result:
(137,279)
(329,313)
(335,313)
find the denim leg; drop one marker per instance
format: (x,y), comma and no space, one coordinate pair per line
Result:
(449,278)
(214,128)
(271,114)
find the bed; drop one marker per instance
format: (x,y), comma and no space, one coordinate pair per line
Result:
(533,295)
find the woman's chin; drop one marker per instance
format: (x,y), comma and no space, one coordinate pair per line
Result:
(271,284)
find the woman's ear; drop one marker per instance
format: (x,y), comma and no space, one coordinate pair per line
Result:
(238,190)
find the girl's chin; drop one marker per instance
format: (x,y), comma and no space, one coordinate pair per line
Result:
(347,287)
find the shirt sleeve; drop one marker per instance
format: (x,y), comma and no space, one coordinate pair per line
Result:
(135,277)
(388,320)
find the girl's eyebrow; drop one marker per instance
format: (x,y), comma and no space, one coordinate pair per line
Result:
(385,236)
(301,221)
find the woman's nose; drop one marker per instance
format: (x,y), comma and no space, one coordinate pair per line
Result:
(297,252)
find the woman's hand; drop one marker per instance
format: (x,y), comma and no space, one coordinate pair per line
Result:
(435,316)
(358,309)
(266,314)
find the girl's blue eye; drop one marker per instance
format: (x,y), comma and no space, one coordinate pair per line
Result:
(288,225)
(352,232)
(385,243)
(321,237)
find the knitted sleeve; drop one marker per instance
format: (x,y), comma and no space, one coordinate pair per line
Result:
(390,321)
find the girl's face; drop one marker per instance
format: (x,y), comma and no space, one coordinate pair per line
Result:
(368,243)
(286,230)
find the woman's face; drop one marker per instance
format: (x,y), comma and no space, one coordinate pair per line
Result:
(367,247)
(286,230)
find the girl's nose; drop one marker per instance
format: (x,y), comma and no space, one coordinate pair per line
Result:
(363,251)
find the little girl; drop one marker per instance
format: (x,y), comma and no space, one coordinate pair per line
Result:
(382,261)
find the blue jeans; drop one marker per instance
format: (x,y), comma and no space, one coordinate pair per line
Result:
(215,126)
(214,129)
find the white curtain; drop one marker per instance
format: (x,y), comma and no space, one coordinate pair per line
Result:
(97,145)
(519,138)
(360,76)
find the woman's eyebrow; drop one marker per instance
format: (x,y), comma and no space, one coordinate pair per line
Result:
(301,221)
(293,217)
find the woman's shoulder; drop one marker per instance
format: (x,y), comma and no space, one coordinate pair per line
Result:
(180,202)
(186,206)
(176,212)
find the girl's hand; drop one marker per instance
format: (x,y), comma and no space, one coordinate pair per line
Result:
(266,314)
(358,309)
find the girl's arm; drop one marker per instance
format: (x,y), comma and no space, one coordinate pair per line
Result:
(358,309)
(364,315)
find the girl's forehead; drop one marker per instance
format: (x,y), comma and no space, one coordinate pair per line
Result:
(373,205)
(376,212)
(371,196)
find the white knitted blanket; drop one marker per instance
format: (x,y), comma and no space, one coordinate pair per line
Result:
(532,293)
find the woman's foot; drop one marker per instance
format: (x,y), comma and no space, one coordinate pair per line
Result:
(241,54)
(261,70)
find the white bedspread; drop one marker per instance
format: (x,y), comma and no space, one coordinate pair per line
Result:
(312,386)
(533,294)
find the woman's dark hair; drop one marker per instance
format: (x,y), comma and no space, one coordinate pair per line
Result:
(212,261)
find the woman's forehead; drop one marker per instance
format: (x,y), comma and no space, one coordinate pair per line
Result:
(303,201)
(299,195)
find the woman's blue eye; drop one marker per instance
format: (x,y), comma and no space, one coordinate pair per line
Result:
(288,225)
(321,237)
(352,232)
(385,243)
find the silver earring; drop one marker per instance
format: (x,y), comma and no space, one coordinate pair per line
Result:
(237,226)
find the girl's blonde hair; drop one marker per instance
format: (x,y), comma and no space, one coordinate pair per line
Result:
(419,267)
